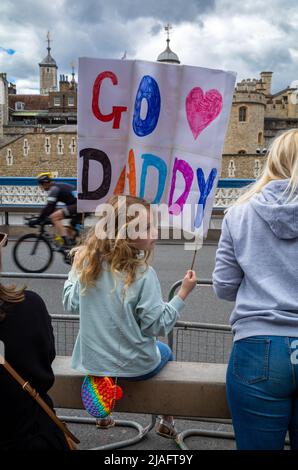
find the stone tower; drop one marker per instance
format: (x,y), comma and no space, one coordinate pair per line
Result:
(168,55)
(48,72)
(3,102)
(246,127)
(266,78)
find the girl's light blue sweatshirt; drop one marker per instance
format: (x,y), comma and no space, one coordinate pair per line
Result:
(257,264)
(117,335)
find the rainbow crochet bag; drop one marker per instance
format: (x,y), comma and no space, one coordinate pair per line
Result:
(99,395)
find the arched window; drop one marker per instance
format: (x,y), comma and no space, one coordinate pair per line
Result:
(242,152)
(260,138)
(242,113)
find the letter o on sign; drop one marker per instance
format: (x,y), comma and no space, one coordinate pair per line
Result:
(148,90)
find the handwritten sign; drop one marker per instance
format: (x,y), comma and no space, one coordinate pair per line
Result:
(152,130)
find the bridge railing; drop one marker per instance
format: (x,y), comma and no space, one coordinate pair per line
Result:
(19,192)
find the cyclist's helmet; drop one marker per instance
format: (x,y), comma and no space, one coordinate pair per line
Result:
(45,177)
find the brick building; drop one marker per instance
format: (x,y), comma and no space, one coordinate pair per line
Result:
(39,150)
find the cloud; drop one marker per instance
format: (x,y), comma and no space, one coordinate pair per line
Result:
(175,11)
(247,37)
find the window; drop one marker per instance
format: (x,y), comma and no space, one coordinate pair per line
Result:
(9,158)
(19,106)
(242,152)
(231,169)
(25,148)
(56,100)
(47,145)
(60,146)
(260,138)
(242,113)
(257,169)
(71,101)
(72,145)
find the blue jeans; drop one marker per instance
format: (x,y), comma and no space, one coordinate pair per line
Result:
(166,355)
(262,392)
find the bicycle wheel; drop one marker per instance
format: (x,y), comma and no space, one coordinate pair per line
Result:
(32,253)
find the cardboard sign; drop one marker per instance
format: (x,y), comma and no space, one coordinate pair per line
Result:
(152,130)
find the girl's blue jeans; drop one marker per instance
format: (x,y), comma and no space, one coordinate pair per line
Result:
(166,355)
(262,392)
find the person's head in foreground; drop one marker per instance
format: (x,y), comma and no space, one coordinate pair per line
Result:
(124,238)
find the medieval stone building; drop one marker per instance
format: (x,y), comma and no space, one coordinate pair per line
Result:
(257,116)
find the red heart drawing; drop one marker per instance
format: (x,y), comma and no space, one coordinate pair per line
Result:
(202,109)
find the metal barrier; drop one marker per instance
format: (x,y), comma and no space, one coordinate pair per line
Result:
(65,328)
(206,342)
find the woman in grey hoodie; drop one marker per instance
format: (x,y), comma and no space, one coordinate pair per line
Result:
(257,267)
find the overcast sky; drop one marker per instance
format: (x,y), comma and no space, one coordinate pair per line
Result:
(247,36)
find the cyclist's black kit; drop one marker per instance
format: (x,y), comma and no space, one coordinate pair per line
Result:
(61,192)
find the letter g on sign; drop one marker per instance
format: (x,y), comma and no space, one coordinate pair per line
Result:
(115,115)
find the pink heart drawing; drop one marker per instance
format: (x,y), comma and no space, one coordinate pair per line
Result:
(202,109)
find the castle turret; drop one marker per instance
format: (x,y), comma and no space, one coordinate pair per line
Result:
(246,127)
(266,78)
(168,55)
(48,72)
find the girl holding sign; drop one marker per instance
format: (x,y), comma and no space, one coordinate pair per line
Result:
(257,266)
(119,300)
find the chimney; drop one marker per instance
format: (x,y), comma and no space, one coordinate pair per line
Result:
(266,78)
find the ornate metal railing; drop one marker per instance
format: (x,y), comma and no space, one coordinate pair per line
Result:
(21,192)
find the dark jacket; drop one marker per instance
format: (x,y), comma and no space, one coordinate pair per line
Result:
(28,337)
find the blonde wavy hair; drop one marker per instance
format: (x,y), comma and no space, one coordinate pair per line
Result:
(282,163)
(119,253)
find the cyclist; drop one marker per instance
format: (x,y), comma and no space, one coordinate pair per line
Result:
(58,192)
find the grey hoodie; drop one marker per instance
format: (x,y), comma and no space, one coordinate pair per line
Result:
(257,264)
